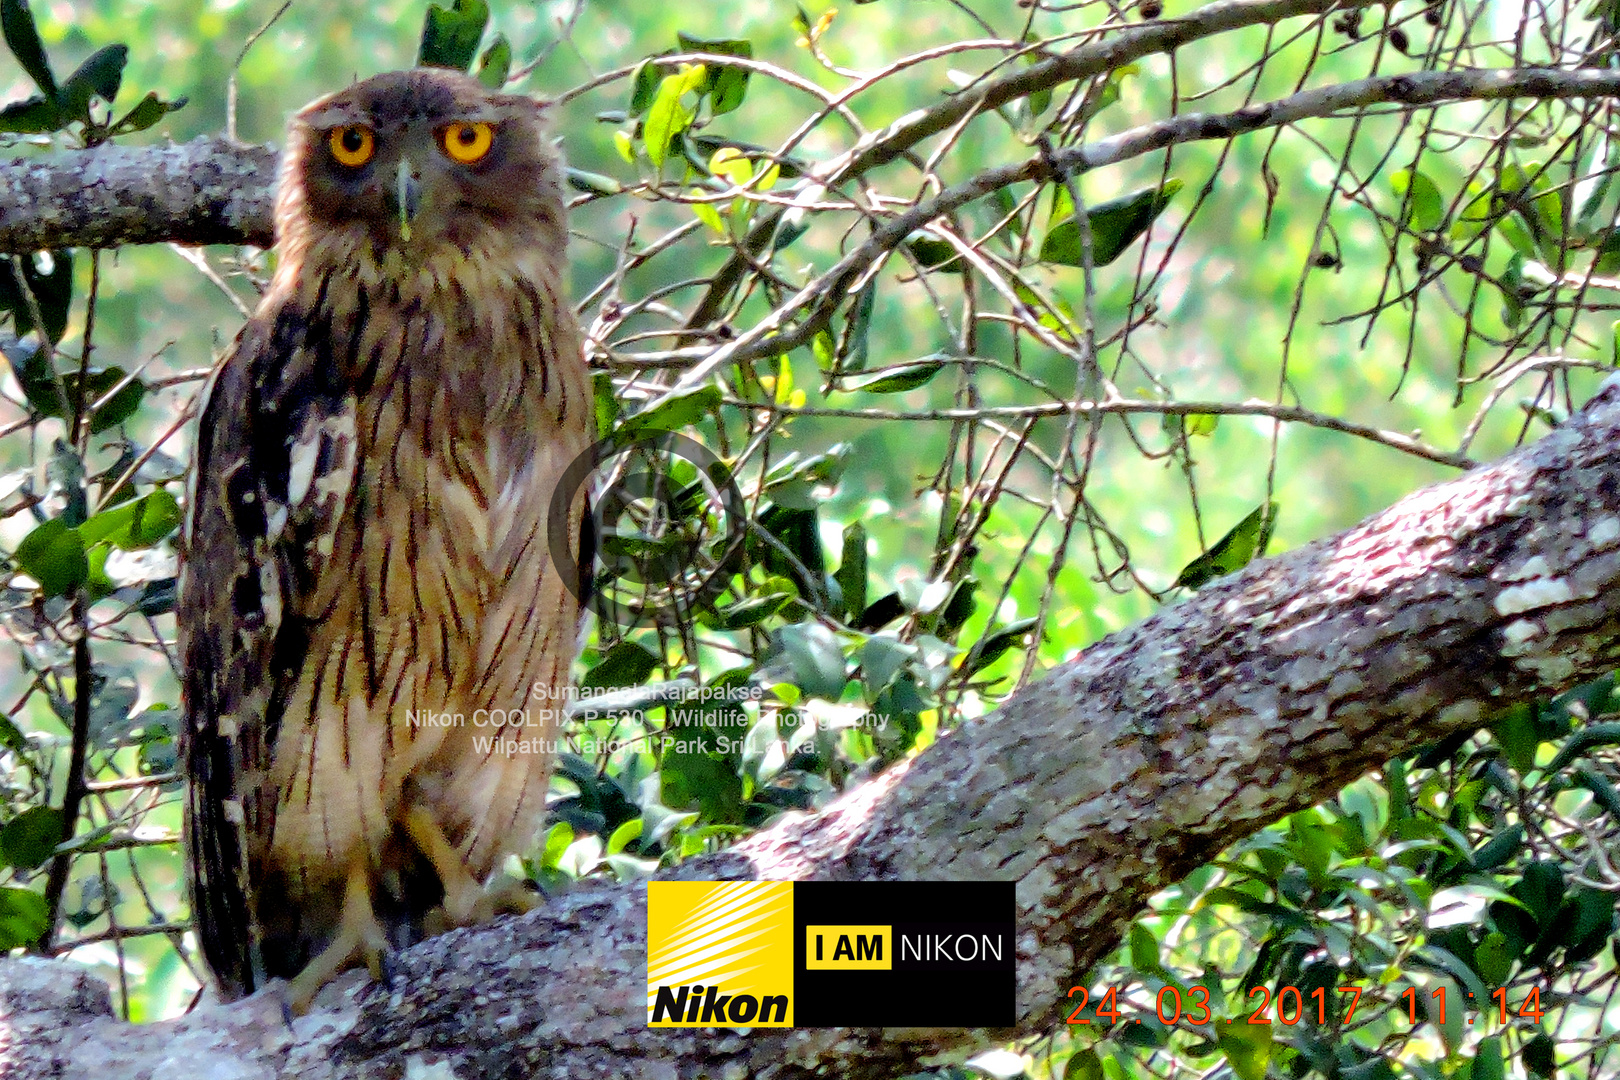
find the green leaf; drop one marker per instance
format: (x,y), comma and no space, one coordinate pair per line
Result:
(813,654)
(750,612)
(1541,890)
(31,837)
(731,165)
(625,835)
(22,38)
(137,524)
(851,576)
(993,645)
(1115,225)
(118,408)
(860,325)
(627,664)
(667,117)
(1084,1065)
(725,86)
(1493,959)
(606,402)
(496,63)
(706,213)
(1603,792)
(1583,740)
(148,111)
(1511,282)
(1488,1060)
(1247,1048)
(593,183)
(24,917)
(935,254)
(52,293)
(53,555)
(10,737)
(644,85)
(31,116)
(1425,208)
(675,412)
(1144,948)
(99,76)
(1246,541)
(1498,849)
(1515,732)
(900,378)
(450,36)
(1201,423)
(1538,1056)
(881,658)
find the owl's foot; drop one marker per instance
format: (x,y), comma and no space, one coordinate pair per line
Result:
(465,901)
(359,936)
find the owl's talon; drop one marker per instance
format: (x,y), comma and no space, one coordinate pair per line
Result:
(465,901)
(359,935)
(390,968)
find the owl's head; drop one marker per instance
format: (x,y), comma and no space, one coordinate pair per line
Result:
(416,160)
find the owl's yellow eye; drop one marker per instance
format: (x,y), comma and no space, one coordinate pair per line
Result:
(467,143)
(352,145)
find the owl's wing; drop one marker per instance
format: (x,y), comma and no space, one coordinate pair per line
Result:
(274,472)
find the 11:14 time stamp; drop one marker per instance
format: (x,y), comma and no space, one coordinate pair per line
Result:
(1291,1006)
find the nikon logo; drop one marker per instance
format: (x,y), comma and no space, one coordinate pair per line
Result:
(774,954)
(707,1005)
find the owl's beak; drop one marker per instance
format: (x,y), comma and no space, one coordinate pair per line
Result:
(408,196)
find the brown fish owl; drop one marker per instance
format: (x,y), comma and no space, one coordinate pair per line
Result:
(366,549)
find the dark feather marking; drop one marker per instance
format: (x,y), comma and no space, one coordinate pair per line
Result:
(368,653)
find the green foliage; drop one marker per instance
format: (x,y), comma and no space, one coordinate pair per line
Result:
(59,106)
(1114,225)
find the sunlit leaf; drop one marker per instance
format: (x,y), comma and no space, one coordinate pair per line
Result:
(1115,225)
(1425,208)
(900,378)
(496,63)
(668,116)
(53,555)
(133,525)
(676,412)
(1247,1048)
(1232,552)
(24,917)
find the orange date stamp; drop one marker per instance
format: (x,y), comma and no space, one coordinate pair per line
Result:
(1289,1006)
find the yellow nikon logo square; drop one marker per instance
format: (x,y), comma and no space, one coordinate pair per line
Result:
(720,954)
(849,948)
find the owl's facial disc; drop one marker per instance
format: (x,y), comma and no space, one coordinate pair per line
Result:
(425,163)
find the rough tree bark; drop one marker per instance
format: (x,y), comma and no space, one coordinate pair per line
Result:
(1116,775)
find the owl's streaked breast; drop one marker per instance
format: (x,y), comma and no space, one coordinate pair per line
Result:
(470,402)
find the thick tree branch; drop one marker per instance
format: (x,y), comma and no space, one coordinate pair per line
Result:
(1122,771)
(206,191)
